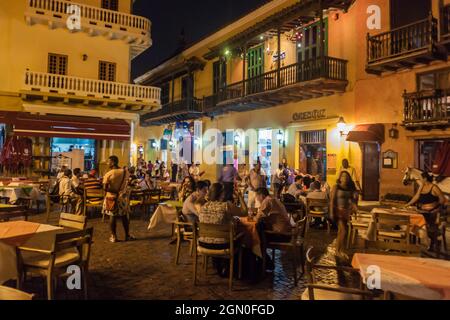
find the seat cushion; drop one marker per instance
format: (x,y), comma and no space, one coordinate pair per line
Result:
(393,234)
(329,295)
(63,258)
(211,252)
(134,203)
(94,203)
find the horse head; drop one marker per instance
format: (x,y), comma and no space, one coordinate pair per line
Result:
(407,177)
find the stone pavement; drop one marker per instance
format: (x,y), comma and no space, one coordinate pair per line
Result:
(144,269)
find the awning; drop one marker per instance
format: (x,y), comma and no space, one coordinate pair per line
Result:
(367,133)
(69,126)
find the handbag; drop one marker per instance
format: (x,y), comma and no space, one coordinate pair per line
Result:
(111,202)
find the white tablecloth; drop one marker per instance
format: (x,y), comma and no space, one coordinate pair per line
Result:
(14,193)
(163,218)
(42,239)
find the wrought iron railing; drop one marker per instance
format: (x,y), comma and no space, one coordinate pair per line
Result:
(183,106)
(445,22)
(427,106)
(321,67)
(402,41)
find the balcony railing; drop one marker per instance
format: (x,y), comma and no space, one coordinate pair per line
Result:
(184,109)
(402,41)
(427,108)
(134,29)
(322,67)
(90,88)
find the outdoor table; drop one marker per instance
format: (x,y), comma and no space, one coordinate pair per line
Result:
(165,216)
(251,238)
(21,233)
(417,220)
(421,278)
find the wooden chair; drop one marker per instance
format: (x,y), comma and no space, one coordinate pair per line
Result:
(10,294)
(295,246)
(358,225)
(393,233)
(92,198)
(316,291)
(185,232)
(317,208)
(6,214)
(69,249)
(50,199)
(72,221)
(217,231)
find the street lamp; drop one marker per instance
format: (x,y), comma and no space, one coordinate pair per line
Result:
(342,126)
(280,137)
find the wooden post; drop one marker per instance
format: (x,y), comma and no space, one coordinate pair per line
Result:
(322,39)
(279,57)
(243,69)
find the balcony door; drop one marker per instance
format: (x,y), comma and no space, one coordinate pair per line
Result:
(110,5)
(255,69)
(57,65)
(404,12)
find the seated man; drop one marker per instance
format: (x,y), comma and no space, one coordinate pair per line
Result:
(296,189)
(317,194)
(193,203)
(67,194)
(274,216)
(93,183)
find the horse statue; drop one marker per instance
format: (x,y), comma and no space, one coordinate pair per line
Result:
(415,175)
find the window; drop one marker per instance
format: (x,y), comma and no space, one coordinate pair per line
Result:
(107,71)
(439,79)
(165,93)
(57,64)
(219,75)
(110,4)
(308,46)
(187,87)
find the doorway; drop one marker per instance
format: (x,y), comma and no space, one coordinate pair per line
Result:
(313,153)
(371,171)
(81,151)
(255,69)
(428,152)
(417,10)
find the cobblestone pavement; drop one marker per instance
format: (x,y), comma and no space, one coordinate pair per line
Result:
(145,269)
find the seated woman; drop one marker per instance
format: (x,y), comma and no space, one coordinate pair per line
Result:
(219,212)
(187,188)
(429,199)
(274,216)
(192,205)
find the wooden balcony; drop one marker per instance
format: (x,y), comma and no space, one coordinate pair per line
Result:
(95,21)
(404,47)
(427,110)
(90,92)
(300,81)
(181,110)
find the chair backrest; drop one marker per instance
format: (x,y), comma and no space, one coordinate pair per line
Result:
(80,240)
(72,221)
(10,294)
(219,231)
(317,203)
(300,228)
(94,193)
(11,213)
(389,221)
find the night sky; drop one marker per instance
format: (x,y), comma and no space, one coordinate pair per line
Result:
(199,18)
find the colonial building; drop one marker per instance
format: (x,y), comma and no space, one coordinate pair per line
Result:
(65,78)
(320,81)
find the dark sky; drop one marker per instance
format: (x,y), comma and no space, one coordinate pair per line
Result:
(199,18)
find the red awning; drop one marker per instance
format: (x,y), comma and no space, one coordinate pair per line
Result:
(66,126)
(367,133)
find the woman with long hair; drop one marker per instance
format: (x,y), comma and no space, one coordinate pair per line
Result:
(343,203)
(187,188)
(429,200)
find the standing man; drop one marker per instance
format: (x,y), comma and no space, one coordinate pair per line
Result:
(116,203)
(228,178)
(150,168)
(256,181)
(352,172)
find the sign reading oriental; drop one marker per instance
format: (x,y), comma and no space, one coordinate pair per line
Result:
(310,115)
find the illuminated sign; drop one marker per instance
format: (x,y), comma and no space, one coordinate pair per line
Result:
(310,115)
